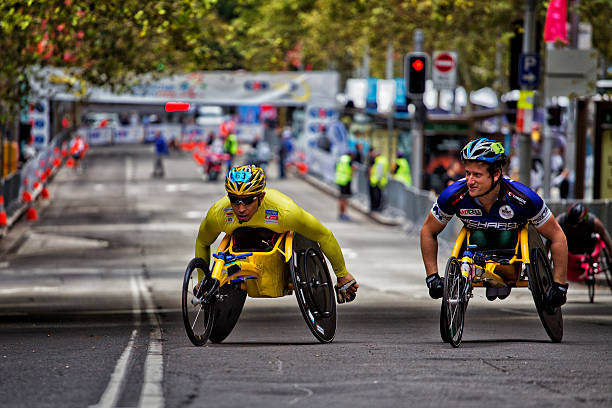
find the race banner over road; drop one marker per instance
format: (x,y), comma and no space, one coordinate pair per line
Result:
(232,88)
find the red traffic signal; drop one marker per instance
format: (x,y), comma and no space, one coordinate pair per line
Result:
(415,72)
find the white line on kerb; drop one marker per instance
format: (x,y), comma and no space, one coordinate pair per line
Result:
(152,395)
(110,396)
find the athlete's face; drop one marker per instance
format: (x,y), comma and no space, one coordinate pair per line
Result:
(478,178)
(244,212)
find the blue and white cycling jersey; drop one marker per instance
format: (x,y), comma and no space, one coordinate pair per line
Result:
(515,205)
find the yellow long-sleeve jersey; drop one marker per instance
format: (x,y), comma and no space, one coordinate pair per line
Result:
(278,213)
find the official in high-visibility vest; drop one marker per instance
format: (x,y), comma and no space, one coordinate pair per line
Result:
(344,176)
(230,146)
(402,171)
(379,171)
(378,180)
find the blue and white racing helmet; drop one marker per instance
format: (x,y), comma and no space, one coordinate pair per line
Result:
(484,150)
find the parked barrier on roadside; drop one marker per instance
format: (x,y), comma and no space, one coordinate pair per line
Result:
(413,205)
(128,134)
(21,189)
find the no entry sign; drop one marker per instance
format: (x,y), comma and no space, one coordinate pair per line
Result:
(444,72)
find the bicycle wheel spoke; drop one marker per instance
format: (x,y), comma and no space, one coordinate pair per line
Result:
(196,318)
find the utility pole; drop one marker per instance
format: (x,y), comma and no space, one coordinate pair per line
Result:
(389,76)
(572,136)
(525,136)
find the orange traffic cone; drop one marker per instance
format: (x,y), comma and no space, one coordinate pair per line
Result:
(70,162)
(44,193)
(2,212)
(31,214)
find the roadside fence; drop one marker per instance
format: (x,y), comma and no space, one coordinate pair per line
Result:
(410,206)
(21,189)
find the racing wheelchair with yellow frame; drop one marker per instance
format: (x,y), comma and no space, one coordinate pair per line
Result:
(261,264)
(527,265)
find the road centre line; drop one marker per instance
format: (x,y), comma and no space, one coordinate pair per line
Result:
(151,227)
(110,396)
(152,395)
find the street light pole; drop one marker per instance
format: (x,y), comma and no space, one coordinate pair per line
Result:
(525,136)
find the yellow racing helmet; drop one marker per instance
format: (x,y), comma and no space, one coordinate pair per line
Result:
(245,181)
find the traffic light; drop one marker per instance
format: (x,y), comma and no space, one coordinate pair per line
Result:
(415,72)
(511,111)
(554,115)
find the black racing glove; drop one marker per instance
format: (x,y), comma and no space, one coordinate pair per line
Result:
(435,284)
(556,295)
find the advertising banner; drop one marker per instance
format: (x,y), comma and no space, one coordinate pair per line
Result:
(232,88)
(128,134)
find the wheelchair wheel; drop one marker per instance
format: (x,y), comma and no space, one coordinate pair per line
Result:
(198,318)
(227,311)
(314,291)
(540,277)
(590,282)
(444,329)
(454,304)
(605,265)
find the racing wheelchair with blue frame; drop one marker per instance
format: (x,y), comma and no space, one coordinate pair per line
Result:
(471,265)
(259,263)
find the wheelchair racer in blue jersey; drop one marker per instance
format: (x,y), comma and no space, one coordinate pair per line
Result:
(490,204)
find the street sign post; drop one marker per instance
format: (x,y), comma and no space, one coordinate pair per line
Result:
(444,71)
(529,70)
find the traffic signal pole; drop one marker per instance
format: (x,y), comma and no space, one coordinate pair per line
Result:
(417,117)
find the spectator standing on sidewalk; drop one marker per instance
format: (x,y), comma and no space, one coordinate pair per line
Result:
(284,150)
(378,180)
(344,177)
(402,170)
(231,148)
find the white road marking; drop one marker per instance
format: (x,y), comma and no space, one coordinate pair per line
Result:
(110,396)
(152,394)
(152,227)
(301,388)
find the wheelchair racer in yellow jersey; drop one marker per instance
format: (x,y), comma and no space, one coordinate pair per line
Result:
(250,204)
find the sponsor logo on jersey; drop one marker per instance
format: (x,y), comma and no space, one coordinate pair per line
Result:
(473,224)
(470,212)
(271,217)
(458,199)
(439,214)
(541,217)
(229,215)
(506,212)
(517,198)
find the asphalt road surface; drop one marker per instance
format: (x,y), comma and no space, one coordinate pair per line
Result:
(90,313)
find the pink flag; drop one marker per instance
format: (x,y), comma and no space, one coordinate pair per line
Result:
(556,17)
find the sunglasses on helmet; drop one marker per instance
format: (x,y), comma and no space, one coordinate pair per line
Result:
(242,200)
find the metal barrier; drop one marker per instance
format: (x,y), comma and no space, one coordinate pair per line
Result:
(32,175)
(10,191)
(413,205)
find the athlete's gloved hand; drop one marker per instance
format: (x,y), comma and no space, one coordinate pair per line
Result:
(435,284)
(556,295)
